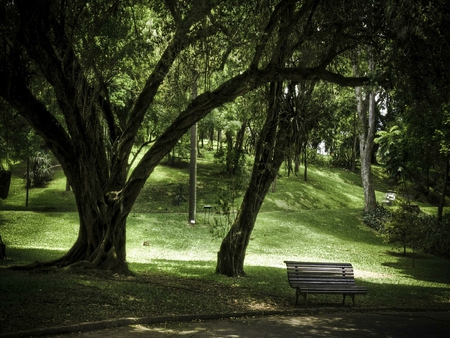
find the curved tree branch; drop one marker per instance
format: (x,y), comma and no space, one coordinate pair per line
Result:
(206,102)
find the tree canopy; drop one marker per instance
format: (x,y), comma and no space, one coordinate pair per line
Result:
(97,80)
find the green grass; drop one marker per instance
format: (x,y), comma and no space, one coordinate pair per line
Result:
(174,264)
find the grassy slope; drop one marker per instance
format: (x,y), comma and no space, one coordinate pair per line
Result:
(317,220)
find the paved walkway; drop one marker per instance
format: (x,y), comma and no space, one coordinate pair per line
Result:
(352,324)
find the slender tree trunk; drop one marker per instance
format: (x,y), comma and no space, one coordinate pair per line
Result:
(268,159)
(237,151)
(270,154)
(219,139)
(305,161)
(355,142)
(366,140)
(444,188)
(193,176)
(230,152)
(289,164)
(193,167)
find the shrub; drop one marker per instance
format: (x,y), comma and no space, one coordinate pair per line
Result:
(40,169)
(437,236)
(410,227)
(377,219)
(405,227)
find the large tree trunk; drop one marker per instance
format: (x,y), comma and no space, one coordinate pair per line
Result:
(101,241)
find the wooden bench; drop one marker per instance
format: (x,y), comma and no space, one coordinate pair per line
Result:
(324,278)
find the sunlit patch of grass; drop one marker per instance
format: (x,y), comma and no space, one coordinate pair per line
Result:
(328,188)
(28,229)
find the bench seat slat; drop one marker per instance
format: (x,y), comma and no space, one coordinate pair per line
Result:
(314,277)
(331,288)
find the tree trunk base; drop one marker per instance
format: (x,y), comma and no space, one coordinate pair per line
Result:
(226,265)
(104,261)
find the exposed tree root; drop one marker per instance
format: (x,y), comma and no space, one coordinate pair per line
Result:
(105,261)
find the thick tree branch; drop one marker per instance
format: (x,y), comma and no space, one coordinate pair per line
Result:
(302,74)
(47,126)
(269,29)
(206,102)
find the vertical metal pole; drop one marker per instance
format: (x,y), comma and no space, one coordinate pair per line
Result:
(28,181)
(193,168)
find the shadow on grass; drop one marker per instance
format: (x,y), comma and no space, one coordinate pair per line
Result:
(421,267)
(175,287)
(270,285)
(23,256)
(265,288)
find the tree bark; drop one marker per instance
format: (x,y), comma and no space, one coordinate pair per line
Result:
(367,130)
(269,156)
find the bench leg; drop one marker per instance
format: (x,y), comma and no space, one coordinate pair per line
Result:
(353,299)
(297,294)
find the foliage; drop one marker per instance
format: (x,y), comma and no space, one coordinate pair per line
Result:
(15,137)
(227,199)
(40,169)
(378,219)
(420,90)
(436,232)
(340,133)
(404,227)
(221,226)
(408,227)
(392,152)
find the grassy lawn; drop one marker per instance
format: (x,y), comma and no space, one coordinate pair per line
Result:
(173,264)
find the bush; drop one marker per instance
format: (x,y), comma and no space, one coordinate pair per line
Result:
(377,219)
(40,169)
(413,228)
(405,227)
(437,236)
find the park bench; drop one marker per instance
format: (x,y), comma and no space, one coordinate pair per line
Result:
(323,278)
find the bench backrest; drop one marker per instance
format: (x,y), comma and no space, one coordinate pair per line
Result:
(309,273)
